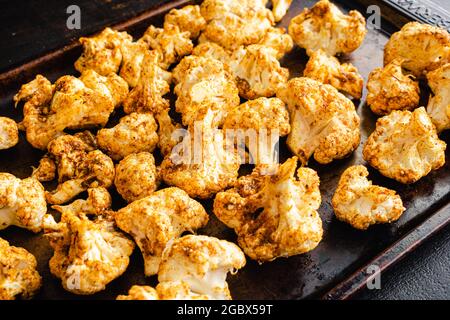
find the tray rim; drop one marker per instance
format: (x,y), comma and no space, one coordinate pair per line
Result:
(355,282)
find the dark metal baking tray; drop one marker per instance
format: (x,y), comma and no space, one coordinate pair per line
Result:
(338,267)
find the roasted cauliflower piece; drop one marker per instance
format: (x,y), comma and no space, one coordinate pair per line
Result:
(136,176)
(325,27)
(22,202)
(324,122)
(167,132)
(288,223)
(279,40)
(153,84)
(204,163)
(260,122)
(360,203)
(68,104)
(135,133)
(214,51)
(389,89)
(103,52)
(133,54)
(155,220)
(328,70)
(203,85)
(422,47)
(80,166)
(196,267)
(405,146)
(187,19)
(89,250)
(140,293)
(257,71)
(235,23)
(439,103)
(171,43)
(9,133)
(46,171)
(18,275)
(280,8)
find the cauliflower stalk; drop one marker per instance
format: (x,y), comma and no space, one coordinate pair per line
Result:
(439,103)
(273,215)
(18,275)
(360,203)
(22,202)
(156,220)
(324,123)
(405,146)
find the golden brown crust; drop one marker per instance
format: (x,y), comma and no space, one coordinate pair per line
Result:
(9,133)
(187,19)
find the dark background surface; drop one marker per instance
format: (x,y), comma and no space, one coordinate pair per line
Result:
(24,35)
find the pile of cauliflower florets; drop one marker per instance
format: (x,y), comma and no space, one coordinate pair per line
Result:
(223,60)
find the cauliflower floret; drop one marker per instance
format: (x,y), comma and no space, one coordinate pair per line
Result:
(214,51)
(46,171)
(361,204)
(323,121)
(280,7)
(136,176)
(133,54)
(102,53)
(140,293)
(204,163)
(257,71)
(329,70)
(68,104)
(171,43)
(199,264)
(405,146)
(18,275)
(22,202)
(389,89)
(153,84)
(235,23)
(167,132)
(80,166)
(439,103)
(9,133)
(134,133)
(203,85)
(279,40)
(325,27)
(260,122)
(159,218)
(188,19)
(423,48)
(288,224)
(89,251)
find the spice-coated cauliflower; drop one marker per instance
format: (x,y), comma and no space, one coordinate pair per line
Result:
(168,132)
(389,89)
(439,103)
(80,166)
(196,267)
(155,220)
(279,40)
(135,133)
(235,23)
(261,122)
(423,48)
(89,250)
(9,133)
(136,176)
(133,54)
(103,52)
(18,275)
(153,84)
(46,171)
(140,293)
(405,146)
(203,85)
(280,8)
(288,224)
(22,202)
(204,163)
(257,71)
(171,43)
(188,19)
(360,203)
(325,27)
(324,122)
(70,103)
(329,70)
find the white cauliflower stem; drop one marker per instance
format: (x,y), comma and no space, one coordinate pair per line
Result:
(360,203)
